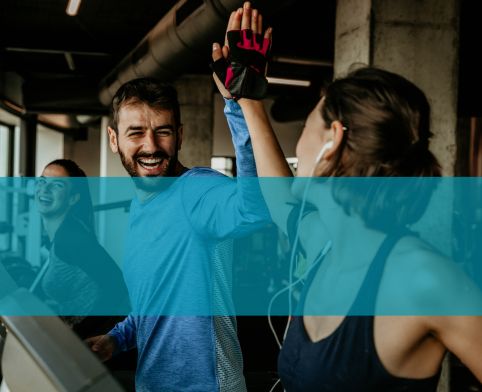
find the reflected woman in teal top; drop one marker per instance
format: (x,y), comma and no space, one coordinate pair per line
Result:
(81,279)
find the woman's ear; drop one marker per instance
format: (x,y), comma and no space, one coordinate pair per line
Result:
(337,130)
(74,199)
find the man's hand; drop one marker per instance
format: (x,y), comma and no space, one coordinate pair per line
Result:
(103,345)
(240,73)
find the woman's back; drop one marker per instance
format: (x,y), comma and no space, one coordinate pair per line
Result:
(82,270)
(360,352)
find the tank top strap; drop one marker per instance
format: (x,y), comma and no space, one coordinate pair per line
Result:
(365,301)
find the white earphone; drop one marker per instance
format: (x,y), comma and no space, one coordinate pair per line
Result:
(323,151)
(321,154)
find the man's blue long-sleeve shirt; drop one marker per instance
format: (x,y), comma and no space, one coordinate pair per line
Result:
(169,269)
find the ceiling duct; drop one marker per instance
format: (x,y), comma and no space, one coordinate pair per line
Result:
(179,38)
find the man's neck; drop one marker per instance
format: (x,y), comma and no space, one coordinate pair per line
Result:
(144,195)
(179,169)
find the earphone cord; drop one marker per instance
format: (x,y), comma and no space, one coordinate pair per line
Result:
(297,237)
(291,284)
(318,260)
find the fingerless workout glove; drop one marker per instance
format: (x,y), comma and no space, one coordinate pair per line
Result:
(243,74)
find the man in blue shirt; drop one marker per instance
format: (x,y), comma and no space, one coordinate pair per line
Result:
(172,266)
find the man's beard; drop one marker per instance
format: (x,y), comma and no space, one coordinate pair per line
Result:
(150,183)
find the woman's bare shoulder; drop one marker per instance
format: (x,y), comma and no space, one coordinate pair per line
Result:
(426,282)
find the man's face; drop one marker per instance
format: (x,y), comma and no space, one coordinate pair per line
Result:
(147,141)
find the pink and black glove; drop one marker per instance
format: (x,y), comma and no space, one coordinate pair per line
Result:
(243,74)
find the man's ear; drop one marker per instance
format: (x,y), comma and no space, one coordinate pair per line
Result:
(179,137)
(337,137)
(113,142)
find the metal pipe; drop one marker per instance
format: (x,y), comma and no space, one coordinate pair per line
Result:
(167,51)
(302,61)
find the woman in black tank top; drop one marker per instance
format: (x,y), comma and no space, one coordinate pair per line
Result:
(371,123)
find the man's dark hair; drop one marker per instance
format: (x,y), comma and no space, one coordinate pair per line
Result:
(152,92)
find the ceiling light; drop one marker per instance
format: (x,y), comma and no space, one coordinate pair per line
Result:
(289,82)
(73,7)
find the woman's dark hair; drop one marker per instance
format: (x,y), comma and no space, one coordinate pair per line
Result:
(387,120)
(83,209)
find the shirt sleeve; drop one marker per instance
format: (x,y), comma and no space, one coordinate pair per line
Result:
(124,333)
(219,207)
(245,163)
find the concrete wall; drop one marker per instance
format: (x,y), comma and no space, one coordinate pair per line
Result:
(419,39)
(416,38)
(195,94)
(353,34)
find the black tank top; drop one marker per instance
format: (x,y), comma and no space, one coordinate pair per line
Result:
(346,360)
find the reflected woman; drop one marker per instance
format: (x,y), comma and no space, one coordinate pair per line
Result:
(81,278)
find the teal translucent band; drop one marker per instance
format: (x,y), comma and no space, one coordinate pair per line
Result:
(211,246)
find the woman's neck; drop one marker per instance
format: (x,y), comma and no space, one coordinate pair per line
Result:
(52,224)
(352,241)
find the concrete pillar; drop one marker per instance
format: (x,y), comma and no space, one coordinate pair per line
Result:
(196,98)
(415,38)
(352,34)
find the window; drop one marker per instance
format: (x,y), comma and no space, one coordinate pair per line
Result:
(224,165)
(5,136)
